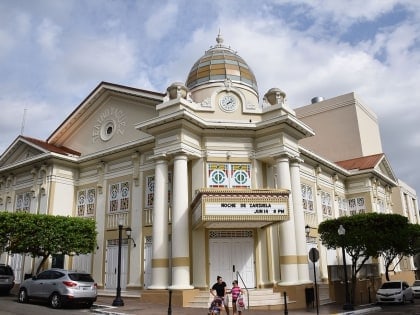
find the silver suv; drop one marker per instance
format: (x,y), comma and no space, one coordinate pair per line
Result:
(7,279)
(59,287)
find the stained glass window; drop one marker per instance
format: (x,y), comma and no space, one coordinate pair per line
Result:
(326,203)
(342,206)
(23,202)
(86,200)
(227,175)
(119,197)
(150,189)
(357,205)
(307,198)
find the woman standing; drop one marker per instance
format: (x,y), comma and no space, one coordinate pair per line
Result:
(236,291)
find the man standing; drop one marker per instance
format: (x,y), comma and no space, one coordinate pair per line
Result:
(219,289)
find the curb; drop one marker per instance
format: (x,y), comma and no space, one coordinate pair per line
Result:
(362,311)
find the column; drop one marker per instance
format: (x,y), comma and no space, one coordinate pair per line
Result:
(288,257)
(299,222)
(180,226)
(160,260)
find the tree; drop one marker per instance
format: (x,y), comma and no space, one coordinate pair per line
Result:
(367,235)
(43,235)
(398,240)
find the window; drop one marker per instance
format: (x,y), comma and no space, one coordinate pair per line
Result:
(307,198)
(380,206)
(86,200)
(342,207)
(226,175)
(326,203)
(357,205)
(23,202)
(150,189)
(119,197)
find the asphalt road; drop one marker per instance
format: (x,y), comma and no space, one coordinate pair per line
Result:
(10,306)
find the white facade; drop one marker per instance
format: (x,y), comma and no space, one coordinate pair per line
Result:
(204,174)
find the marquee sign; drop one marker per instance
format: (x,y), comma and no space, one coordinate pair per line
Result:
(240,205)
(254,208)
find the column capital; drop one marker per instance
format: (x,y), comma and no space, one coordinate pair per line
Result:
(283,157)
(296,160)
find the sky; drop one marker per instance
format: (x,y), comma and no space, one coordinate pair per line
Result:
(54,53)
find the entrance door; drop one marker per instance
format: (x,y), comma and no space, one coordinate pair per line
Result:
(231,252)
(111,269)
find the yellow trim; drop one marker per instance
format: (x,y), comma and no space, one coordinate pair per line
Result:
(293,259)
(160,263)
(180,261)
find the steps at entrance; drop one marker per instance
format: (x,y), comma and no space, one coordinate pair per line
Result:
(256,297)
(324,294)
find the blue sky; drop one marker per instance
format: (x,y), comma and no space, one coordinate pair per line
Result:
(54,53)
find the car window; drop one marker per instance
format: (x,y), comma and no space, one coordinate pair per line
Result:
(83,277)
(44,275)
(391,285)
(5,270)
(56,274)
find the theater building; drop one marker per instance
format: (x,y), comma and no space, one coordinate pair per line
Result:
(212,177)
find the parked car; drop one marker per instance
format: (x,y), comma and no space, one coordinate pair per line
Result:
(395,292)
(416,288)
(59,287)
(7,279)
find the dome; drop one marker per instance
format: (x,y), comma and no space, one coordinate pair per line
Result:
(218,64)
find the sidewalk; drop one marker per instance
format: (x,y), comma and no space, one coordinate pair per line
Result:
(133,306)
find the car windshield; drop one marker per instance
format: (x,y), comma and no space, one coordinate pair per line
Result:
(83,277)
(391,285)
(416,283)
(6,271)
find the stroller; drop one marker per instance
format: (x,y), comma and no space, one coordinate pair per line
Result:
(215,306)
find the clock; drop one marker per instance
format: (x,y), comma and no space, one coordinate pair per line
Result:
(228,103)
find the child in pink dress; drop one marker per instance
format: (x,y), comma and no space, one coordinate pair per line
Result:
(236,292)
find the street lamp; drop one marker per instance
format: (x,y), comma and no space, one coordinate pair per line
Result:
(347,305)
(118,301)
(128,232)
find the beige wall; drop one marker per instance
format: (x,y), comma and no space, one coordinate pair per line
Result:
(344,128)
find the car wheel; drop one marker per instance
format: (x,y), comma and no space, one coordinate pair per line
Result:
(22,296)
(56,301)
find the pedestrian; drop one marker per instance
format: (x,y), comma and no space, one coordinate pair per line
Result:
(237,293)
(219,289)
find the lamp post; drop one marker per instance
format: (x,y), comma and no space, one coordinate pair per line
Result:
(347,305)
(118,301)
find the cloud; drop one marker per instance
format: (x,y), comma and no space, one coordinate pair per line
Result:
(162,21)
(53,53)
(48,35)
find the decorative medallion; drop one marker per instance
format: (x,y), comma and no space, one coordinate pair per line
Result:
(110,122)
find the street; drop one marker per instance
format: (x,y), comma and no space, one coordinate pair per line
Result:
(10,306)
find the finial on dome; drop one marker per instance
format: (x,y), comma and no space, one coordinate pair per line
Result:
(219,39)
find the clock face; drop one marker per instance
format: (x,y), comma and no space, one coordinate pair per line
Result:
(228,103)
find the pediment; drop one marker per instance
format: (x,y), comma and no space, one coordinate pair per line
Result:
(384,168)
(377,163)
(106,119)
(21,150)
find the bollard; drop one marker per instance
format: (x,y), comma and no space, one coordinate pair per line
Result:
(285,303)
(170,302)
